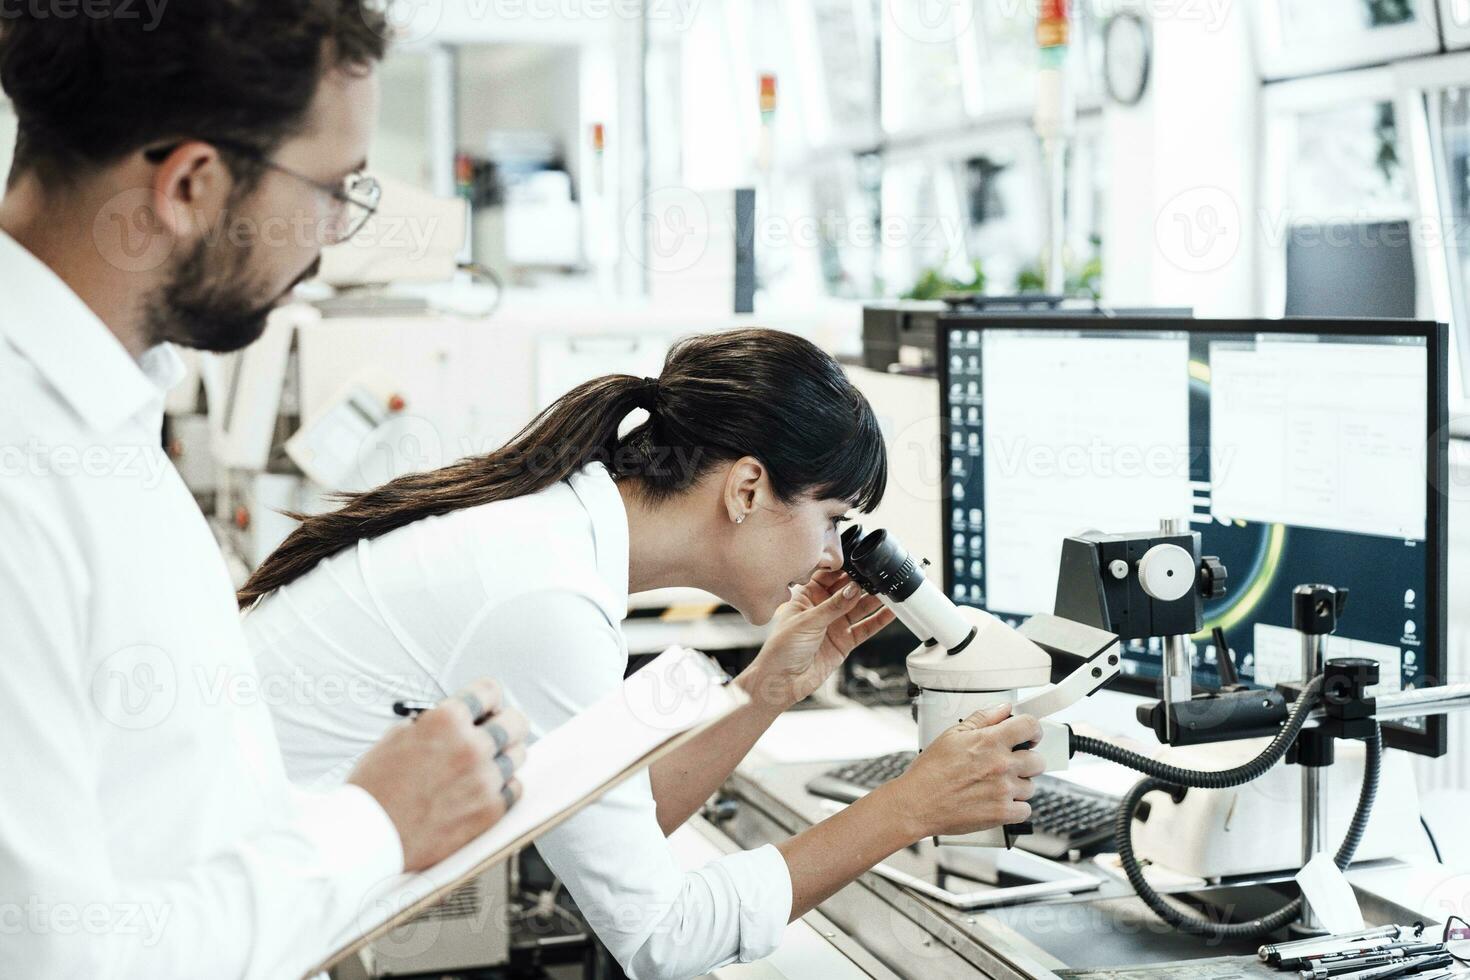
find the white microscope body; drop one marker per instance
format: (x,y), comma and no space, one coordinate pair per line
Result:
(968,659)
(1002,665)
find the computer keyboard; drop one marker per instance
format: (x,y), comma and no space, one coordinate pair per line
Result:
(1064,817)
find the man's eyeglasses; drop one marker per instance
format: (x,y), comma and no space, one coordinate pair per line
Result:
(354,201)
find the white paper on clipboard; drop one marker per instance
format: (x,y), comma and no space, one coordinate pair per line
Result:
(654,711)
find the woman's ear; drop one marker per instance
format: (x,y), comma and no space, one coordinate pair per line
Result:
(745,488)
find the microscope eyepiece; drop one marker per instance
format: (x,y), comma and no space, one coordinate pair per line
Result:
(883,567)
(880,564)
(850,538)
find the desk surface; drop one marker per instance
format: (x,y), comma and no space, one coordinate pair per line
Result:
(1101,934)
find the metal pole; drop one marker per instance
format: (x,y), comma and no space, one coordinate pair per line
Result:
(1054,120)
(1054,154)
(1178,669)
(1314,786)
(1178,679)
(1394,705)
(442,119)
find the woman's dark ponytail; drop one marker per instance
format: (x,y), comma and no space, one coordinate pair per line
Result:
(758,393)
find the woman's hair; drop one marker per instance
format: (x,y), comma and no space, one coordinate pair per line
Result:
(723,396)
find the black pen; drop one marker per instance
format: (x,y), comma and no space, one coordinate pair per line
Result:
(412,709)
(1368,947)
(1331,966)
(1342,952)
(1408,947)
(1402,968)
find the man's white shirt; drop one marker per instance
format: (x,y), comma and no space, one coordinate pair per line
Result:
(147,828)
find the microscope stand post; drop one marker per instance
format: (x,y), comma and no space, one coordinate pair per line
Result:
(1178,672)
(1315,613)
(1315,753)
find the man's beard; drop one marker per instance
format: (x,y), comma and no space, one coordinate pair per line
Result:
(210,301)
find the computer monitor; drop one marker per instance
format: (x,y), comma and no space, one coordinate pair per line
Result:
(1303,451)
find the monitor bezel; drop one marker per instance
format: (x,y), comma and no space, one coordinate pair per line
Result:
(1433,741)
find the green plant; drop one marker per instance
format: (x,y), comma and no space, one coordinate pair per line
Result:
(934,284)
(1083,280)
(1030,280)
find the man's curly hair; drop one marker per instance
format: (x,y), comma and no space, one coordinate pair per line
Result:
(95,80)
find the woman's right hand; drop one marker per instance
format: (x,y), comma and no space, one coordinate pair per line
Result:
(972,777)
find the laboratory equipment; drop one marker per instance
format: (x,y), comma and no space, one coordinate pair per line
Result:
(968,660)
(1299,451)
(1233,400)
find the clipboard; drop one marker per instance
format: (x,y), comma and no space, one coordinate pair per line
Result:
(666,703)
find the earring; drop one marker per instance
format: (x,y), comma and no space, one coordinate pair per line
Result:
(740,519)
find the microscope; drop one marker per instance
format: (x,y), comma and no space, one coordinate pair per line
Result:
(1142,586)
(1110,586)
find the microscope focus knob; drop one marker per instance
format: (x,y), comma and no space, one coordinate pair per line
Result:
(1212,577)
(1166,572)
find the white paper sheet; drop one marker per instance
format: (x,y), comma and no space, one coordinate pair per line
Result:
(1331,897)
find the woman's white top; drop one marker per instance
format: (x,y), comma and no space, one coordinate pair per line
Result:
(530,591)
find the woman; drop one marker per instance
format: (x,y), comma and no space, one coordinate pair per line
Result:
(518,565)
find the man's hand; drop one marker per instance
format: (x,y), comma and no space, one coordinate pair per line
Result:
(810,637)
(442,779)
(972,777)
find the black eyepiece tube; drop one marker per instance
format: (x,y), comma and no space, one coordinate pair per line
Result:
(879,563)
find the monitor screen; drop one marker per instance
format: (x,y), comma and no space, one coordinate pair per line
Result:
(1303,451)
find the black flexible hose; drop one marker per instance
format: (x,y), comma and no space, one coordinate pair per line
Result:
(1253,928)
(1174,780)
(1224,778)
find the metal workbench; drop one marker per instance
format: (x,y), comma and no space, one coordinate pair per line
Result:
(1107,934)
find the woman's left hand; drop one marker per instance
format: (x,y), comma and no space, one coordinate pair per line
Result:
(810,637)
